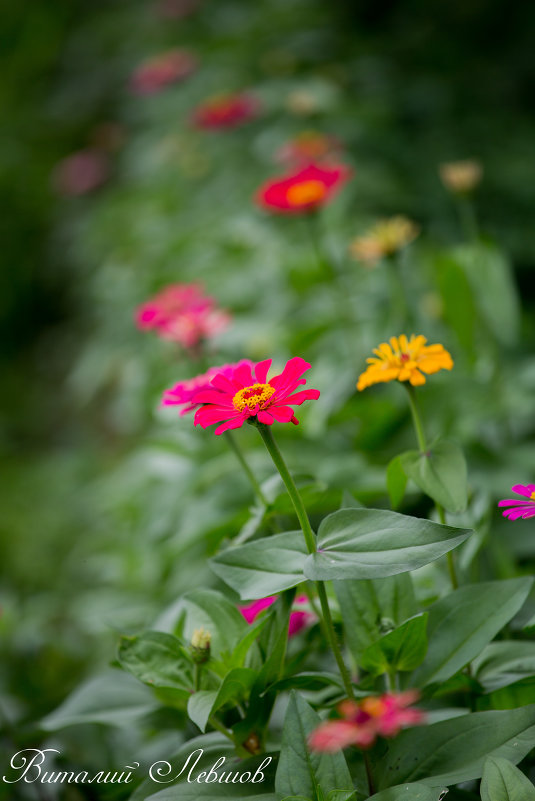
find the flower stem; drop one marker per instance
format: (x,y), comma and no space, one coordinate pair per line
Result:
(247,470)
(451,561)
(310,540)
(369,776)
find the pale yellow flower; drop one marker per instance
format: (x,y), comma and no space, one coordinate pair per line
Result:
(461,176)
(385,238)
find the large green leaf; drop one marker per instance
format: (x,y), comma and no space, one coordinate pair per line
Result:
(503,663)
(454,750)
(396,481)
(300,771)
(205,703)
(370,543)
(502,781)
(410,792)
(159,660)
(402,649)
(463,622)
(368,607)
(210,610)
(263,567)
(113,698)
(440,472)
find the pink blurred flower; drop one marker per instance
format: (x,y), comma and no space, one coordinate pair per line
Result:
(226,110)
(298,619)
(308,147)
(305,189)
(523,509)
(81,172)
(156,73)
(182,313)
(363,721)
(247,393)
(183,394)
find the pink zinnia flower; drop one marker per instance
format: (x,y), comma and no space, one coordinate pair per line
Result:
(226,110)
(158,72)
(81,172)
(304,190)
(232,400)
(523,509)
(183,394)
(298,619)
(182,313)
(364,721)
(308,147)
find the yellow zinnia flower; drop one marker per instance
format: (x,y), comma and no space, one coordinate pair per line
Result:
(405,360)
(385,238)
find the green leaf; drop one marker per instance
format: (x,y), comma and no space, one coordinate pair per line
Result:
(300,771)
(440,472)
(455,750)
(157,659)
(210,610)
(205,703)
(489,272)
(502,781)
(113,698)
(263,567)
(371,543)
(410,792)
(458,300)
(307,681)
(402,649)
(396,481)
(367,606)
(462,623)
(503,663)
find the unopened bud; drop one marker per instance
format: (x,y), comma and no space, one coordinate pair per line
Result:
(200,645)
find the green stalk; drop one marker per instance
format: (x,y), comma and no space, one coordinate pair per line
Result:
(310,540)
(246,469)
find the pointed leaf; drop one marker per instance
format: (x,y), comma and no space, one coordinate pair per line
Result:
(502,781)
(503,663)
(402,649)
(440,472)
(157,659)
(205,703)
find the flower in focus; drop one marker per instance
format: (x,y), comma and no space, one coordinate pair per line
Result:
(81,172)
(302,191)
(385,238)
(182,313)
(183,394)
(308,147)
(523,509)
(461,176)
(246,394)
(405,360)
(226,110)
(298,618)
(160,71)
(363,721)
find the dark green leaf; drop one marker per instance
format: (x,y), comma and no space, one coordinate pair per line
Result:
(440,472)
(502,781)
(205,703)
(402,649)
(503,663)
(157,659)
(370,543)
(410,792)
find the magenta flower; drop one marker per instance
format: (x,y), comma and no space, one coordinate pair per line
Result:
(298,618)
(523,509)
(183,394)
(232,400)
(81,172)
(182,313)
(158,72)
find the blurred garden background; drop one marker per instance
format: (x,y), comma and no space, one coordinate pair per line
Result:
(112,505)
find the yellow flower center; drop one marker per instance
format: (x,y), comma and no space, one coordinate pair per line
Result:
(253,396)
(532,496)
(306,192)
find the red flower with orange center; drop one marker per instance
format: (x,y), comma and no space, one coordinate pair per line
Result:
(303,191)
(226,111)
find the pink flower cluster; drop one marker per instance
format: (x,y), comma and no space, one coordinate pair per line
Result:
(184,393)
(298,618)
(363,721)
(182,313)
(523,509)
(156,73)
(81,172)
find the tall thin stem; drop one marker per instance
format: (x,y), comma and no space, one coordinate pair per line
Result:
(310,540)
(247,470)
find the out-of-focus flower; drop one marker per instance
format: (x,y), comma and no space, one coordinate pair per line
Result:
(176,9)
(363,721)
(108,136)
(81,172)
(298,618)
(183,394)
(461,177)
(226,110)
(304,190)
(523,509)
(182,313)
(405,360)
(200,644)
(384,239)
(308,147)
(233,400)
(302,103)
(160,71)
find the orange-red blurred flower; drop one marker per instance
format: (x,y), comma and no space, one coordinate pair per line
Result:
(81,172)
(160,71)
(363,721)
(226,110)
(303,191)
(308,147)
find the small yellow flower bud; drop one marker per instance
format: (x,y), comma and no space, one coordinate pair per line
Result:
(200,645)
(461,176)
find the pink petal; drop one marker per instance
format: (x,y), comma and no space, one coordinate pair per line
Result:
(252,610)
(283,414)
(299,397)
(261,370)
(514,502)
(291,374)
(525,490)
(332,736)
(237,423)
(223,383)
(212,396)
(207,415)
(266,418)
(243,375)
